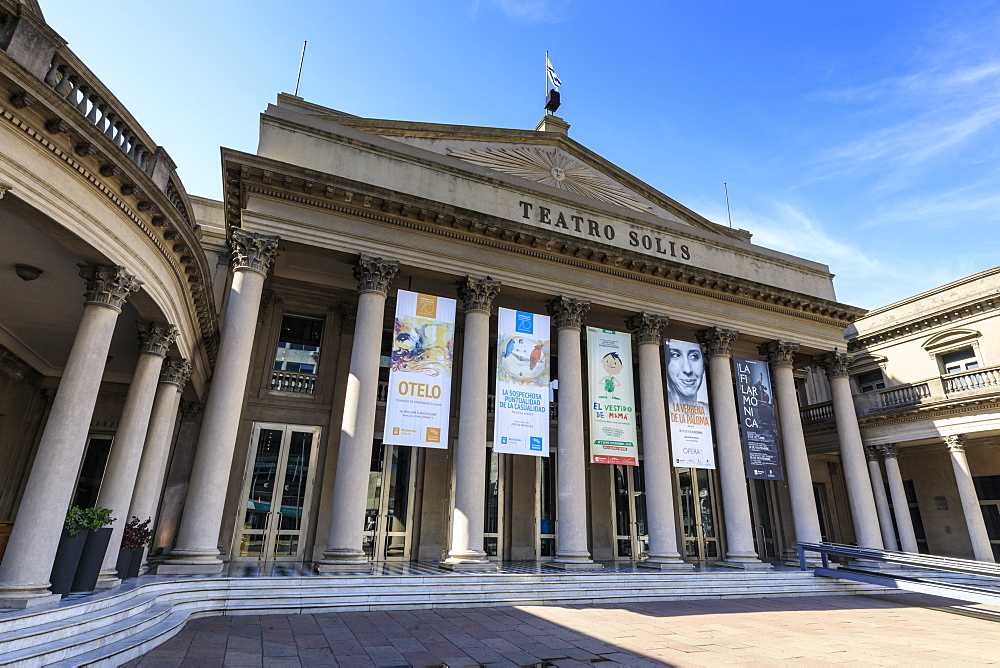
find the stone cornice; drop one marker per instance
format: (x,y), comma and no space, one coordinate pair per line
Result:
(952,315)
(368,202)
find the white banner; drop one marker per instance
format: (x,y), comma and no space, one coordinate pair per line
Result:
(687,397)
(613,437)
(423,348)
(521,417)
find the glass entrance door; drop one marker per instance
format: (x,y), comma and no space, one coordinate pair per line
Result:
(696,488)
(389,513)
(278,490)
(632,531)
(493,524)
(546,486)
(762,512)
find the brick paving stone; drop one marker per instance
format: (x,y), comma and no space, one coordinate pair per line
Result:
(243,660)
(276,649)
(281,662)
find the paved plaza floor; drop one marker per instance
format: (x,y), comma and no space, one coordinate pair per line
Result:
(892,629)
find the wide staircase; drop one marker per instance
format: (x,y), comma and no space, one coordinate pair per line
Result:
(110,628)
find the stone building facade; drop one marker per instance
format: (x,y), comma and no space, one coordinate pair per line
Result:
(225,373)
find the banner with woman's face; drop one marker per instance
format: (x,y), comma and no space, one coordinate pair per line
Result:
(687,403)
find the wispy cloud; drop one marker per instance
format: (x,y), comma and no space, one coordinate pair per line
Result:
(862,277)
(540,11)
(948,100)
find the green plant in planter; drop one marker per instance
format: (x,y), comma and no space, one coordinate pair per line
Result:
(98,517)
(137,534)
(77,520)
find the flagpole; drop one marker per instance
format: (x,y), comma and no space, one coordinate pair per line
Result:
(546,76)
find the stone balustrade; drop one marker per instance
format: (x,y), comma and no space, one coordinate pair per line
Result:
(299,383)
(970,381)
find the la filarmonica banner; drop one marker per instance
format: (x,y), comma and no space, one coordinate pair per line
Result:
(521,417)
(758,427)
(613,438)
(423,352)
(687,404)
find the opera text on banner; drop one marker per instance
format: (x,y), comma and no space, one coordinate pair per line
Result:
(613,437)
(687,400)
(758,428)
(423,347)
(521,418)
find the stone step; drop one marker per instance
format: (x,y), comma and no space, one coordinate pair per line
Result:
(116,627)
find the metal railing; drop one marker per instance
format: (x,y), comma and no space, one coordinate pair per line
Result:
(915,572)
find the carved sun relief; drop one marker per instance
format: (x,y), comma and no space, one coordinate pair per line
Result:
(553,168)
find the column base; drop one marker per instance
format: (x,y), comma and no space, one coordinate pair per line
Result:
(340,560)
(574,562)
(108,580)
(746,564)
(191,561)
(666,564)
(9,602)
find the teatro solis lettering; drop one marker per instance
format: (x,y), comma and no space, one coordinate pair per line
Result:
(649,242)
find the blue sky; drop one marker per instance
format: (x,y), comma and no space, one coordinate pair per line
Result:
(859,134)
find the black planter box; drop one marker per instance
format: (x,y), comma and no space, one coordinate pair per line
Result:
(67,560)
(89,569)
(129,562)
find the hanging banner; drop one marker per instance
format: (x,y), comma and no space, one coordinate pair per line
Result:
(521,417)
(423,347)
(687,400)
(758,427)
(613,437)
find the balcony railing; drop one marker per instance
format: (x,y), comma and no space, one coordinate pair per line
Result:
(890,398)
(937,389)
(287,381)
(978,379)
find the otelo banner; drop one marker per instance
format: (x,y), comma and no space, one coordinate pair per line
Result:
(613,437)
(758,427)
(687,401)
(423,351)
(521,418)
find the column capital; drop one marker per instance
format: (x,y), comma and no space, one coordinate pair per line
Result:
(176,371)
(955,442)
(192,410)
(374,274)
(779,353)
(155,338)
(871,453)
(348,316)
(108,285)
(717,341)
(252,250)
(477,294)
(647,327)
(835,363)
(568,311)
(889,450)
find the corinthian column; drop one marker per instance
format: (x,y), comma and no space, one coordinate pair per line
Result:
(470,453)
(780,355)
(24,573)
(347,524)
(126,451)
(881,498)
(197,548)
(647,328)
(981,548)
(900,506)
(740,552)
(153,465)
(852,453)
(571,501)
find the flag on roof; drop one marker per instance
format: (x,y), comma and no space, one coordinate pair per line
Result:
(553,77)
